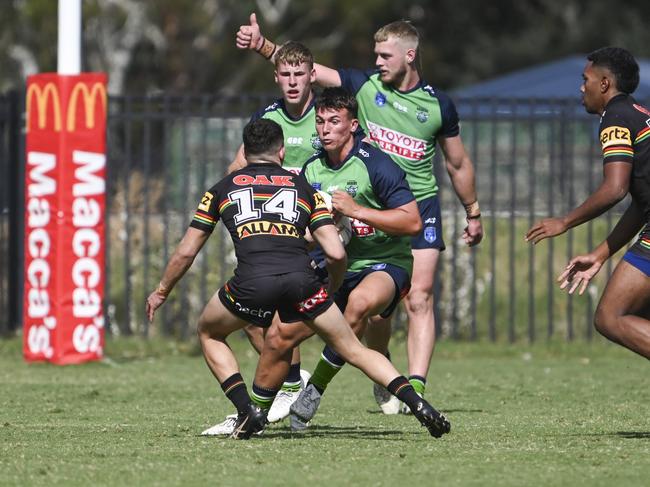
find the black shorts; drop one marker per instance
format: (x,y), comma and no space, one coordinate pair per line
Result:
(296,296)
(400,277)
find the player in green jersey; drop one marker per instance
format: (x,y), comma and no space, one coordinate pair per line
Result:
(294,112)
(370,189)
(406,118)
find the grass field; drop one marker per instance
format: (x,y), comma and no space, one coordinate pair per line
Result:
(544,415)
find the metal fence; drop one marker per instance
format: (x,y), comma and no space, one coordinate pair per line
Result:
(533,158)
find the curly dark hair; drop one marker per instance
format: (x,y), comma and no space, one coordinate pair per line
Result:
(622,65)
(262,136)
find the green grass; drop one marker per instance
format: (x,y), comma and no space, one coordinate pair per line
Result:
(548,414)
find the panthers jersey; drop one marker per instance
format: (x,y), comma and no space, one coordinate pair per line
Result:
(625,137)
(374,181)
(404,124)
(300,138)
(266,210)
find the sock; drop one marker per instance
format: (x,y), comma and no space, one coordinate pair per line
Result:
(235,389)
(263,397)
(328,366)
(404,391)
(419,383)
(292,382)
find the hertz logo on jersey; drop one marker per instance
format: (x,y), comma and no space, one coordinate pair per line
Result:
(267,228)
(615,135)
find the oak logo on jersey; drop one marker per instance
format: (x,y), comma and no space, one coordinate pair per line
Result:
(206,201)
(267,228)
(262,180)
(615,135)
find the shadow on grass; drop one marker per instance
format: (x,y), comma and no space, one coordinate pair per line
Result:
(343,432)
(633,435)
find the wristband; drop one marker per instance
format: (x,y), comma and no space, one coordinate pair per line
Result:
(162,290)
(474,217)
(473,210)
(267,49)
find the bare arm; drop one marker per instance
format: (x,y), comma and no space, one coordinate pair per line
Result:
(250,37)
(403,220)
(178,264)
(613,188)
(583,268)
(461,173)
(328,238)
(239,161)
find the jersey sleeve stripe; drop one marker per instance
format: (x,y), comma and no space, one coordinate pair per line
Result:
(642,135)
(619,151)
(205,219)
(319,215)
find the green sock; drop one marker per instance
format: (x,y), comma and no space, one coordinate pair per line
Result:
(327,368)
(419,383)
(262,397)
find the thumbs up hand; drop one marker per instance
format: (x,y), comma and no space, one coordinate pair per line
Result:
(249,36)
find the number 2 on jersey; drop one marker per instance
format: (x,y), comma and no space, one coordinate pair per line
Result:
(283,203)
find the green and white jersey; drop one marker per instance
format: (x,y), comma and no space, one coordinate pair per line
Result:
(300,137)
(404,124)
(374,181)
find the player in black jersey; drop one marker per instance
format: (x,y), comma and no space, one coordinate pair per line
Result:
(267,211)
(623,313)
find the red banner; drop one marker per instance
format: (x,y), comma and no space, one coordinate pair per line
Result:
(63,319)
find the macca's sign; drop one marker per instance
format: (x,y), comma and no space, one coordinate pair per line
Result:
(64,209)
(44,104)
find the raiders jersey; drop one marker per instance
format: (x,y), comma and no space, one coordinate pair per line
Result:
(266,210)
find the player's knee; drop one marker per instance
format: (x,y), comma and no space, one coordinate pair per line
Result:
(605,321)
(419,300)
(276,341)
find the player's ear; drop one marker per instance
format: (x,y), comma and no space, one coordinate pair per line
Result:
(354,125)
(275,75)
(312,76)
(410,55)
(281,153)
(605,83)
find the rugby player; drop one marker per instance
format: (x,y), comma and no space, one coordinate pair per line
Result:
(370,189)
(405,117)
(610,77)
(294,112)
(267,211)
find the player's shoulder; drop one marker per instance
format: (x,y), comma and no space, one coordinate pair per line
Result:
(434,93)
(275,107)
(374,158)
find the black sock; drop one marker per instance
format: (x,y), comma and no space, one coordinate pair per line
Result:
(235,390)
(402,388)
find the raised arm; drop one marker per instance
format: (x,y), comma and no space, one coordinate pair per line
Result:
(461,172)
(249,36)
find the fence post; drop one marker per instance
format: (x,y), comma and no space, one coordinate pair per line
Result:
(16,177)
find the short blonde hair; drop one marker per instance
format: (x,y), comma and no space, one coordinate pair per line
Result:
(400,29)
(294,54)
